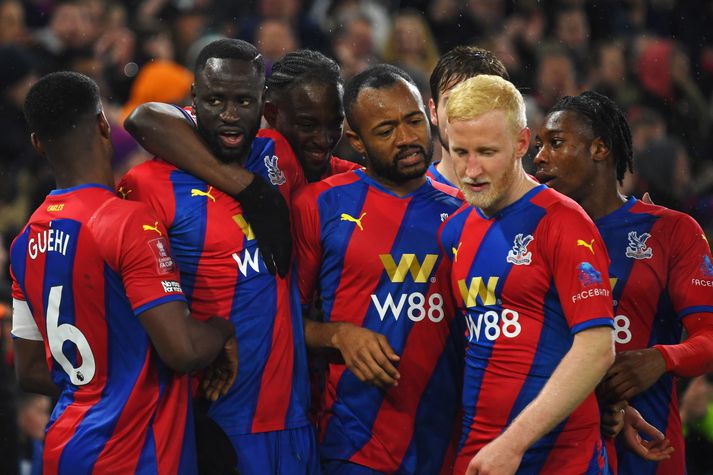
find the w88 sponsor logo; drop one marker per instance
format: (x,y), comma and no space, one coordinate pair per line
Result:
(491,325)
(416,306)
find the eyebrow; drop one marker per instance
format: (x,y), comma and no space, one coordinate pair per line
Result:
(395,121)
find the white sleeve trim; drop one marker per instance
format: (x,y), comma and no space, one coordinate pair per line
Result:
(23,325)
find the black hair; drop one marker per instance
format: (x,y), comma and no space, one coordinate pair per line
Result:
(59,102)
(376,77)
(230,49)
(607,122)
(464,62)
(302,66)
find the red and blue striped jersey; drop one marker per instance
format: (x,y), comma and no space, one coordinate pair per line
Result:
(223,274)
(527,280)
(660,272)
(375,258)
(435,175)
(338,165)
(87,264)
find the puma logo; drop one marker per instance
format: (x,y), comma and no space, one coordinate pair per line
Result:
(197,192)
(148,227)
(346,217)
(455,251)
(124,193)
(589,245)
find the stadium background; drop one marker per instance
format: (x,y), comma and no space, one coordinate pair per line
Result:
(655,58)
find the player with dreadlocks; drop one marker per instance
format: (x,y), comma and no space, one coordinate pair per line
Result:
(304,103)
(661,272)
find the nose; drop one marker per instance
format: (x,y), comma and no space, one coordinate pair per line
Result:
(326,138)
(405,135)
(229,114)
(473,167)
(541,156)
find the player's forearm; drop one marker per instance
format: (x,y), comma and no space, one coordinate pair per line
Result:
(31,369)
(573,380)
(207,341)
(321,335)
(694,356)
(163,131)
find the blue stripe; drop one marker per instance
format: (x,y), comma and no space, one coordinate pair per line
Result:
(189,458)
(187,232)
(335,237)
(159,301)
(695,309)
(300,394)
(63,191)
(18,258)
(147,460)
(436,416)
(595,322)
(127,344)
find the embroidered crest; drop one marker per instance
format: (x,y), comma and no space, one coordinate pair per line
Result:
(637,246)
(519,255)
(277,176)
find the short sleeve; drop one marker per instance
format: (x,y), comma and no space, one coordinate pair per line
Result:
(690,281)
(580,269)
(150,183)
(144,261)
(23,324)
(308,246)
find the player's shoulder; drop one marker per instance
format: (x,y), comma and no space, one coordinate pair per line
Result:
(557,206)
(446,190)
(456,221)
(339,165)
(152,170)
(666,216)
(313,191)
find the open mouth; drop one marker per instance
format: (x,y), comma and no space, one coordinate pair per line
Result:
(411,157)
(231,139)
(544,178)
(316,156)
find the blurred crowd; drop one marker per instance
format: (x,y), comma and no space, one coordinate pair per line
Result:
(655,58)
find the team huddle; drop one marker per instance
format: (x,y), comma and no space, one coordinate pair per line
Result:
(246,302)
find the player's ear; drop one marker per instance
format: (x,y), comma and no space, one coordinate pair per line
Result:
(104,127)
(270,113)
(355,141)
(36,144)
(432,111)
(598,150)
(522,142)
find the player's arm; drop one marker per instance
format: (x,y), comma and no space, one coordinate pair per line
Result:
(366,353)
(164,131)
(655,449)
(182,342)
(574,379)
(636,371)
(31,368)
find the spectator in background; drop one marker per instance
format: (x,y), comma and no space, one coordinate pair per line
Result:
(411,43)
(12,23)
(609,75)
(555,76)
(663,169)
(70,28)
(159,81)
(32,418)
(274,39)
(571,30)
(354,46)
(697,419)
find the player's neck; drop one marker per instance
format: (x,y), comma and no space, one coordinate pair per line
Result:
(70,171)
(445,166)
(399,189)
(517,189)
(602,199)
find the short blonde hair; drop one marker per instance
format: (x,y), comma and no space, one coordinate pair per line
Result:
(485,93)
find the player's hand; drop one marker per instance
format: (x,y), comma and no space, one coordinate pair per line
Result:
(632,373)
(368,355)
(656,449)
(612,420)
(496,458)
(267,212)
(219,377)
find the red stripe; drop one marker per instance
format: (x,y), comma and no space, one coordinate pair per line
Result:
(677,462)
(610,445)
(508,366)
(276,385)
(217,272)
(396,418)
(573,450)
(361,271)
(122,450)
(169,425)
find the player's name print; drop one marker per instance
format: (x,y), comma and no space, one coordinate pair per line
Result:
(48,240)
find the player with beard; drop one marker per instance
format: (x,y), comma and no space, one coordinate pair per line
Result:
(304,103)
(454,67)
(529,272)
(368,241)
(265,412)
(660,269)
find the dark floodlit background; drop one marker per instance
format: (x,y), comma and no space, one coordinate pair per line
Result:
(655,58)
